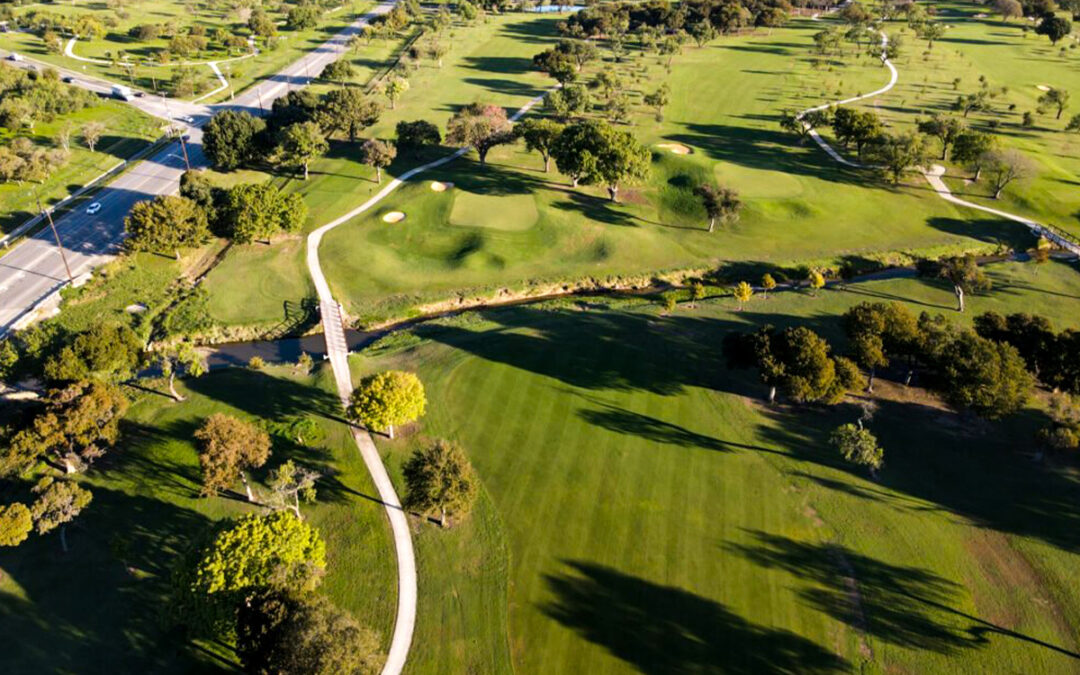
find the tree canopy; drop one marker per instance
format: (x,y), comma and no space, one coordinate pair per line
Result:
(227,447)
(595,153)
(165,224)
(108,352)
(231,139)
(439,479)
(481,126)
(386,399)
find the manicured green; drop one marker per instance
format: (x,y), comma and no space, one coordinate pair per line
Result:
(660,518)
(102,607)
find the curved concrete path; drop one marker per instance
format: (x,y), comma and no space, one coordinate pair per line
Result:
(934,173)
(338,353)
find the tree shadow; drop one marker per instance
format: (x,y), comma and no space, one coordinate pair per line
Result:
(664,629)
(906,606)
(990,230)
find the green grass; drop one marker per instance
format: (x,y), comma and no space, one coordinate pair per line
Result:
(149,75)
(659,518)
(88,612)
(128,131)
(239,297)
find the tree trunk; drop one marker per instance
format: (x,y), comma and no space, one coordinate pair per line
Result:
(482,152)
(378,174)
(296,505)
(172,387)
(712,224)
(574,182)
(613,192)
(63,538)
(959,298)
(247,487)
(547,163)
(978,172)
(869,386)
(390,432)
(944,151)
(442,517)
(772,394)
(997,192)
(305,170)
(177,252)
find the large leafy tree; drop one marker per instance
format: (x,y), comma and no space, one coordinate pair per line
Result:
(539,135)
(165,224)
(971,147)
(58,502)
(15,524)
(898,153)
(965,275)
(301,143)
(1054,27)
(253,211)
(181,356)
(414,136)
(108,352)
(227,448)
(1055,98)
(721,203)
(944,128)
(879,332)
(77,425)
(481,126)
(386,399)
(595,153)
(231,139)
(290,484)
(279,632)
(855,126)
(989,378)
(858,446)
(379,154)
(440,480)
(348,110)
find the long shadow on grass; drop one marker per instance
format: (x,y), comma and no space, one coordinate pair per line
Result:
(266,396)
(765,149)
(990,230)
(906,606)
(100,607)
(664,629)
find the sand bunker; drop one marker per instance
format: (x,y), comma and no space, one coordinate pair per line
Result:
(675,148)
(137,308)
(1042,87)
(394,217)
(440,187)
(981,15)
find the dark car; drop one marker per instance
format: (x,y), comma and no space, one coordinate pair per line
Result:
(67,79)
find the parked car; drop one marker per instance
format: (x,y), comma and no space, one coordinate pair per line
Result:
(93,208)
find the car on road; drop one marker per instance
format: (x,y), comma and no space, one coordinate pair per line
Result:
(186,119)
(93,208)
(67,79)
(15,57)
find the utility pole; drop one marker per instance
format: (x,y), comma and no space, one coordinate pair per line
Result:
(59,246)
(183,146)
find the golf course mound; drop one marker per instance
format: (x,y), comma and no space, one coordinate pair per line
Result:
(510,213)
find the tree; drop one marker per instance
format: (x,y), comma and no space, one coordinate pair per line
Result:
(742,293)
(394,89)
(593,152)
(230,139)
(1074,123)
(177,357)
(1054,27)
(58,503)
(767,284)
(277,551)
(567,102)
(853,126)
(78,423)
(971,148)
(965,275)
(414,136)
(989,378)
(480,126)
(253,211)
(796,360)
(378,154)
(301,143)
(439,479)
(302,17)
(1006,166)
(1055,98)
(165,224)
(898,153)
(721,203)
(106,352)
(559,65)
(932,31)
(858,446)
(386,399)
(297,106)
(289,484)
(816,281)
(348,110)
(227,447)
(1008,9)
(92,133)
(945,129)
(539,135)
(261,24)
(1032,336)
(15,524)
(658,100)
(283,632)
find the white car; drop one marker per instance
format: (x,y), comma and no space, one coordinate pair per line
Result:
(186,119)
(93,208)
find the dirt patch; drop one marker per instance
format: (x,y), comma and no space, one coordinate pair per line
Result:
(437,186)
(394,217)
(675,148)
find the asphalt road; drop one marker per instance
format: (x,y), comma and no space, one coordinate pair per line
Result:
(34,269)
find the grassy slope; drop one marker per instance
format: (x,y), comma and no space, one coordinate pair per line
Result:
(128,131)
(659,520)
(83,613)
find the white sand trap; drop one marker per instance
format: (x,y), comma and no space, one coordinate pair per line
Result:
(137,308)
(675,148)
(394,217)
(981,15)
(440,187)
(1042,87)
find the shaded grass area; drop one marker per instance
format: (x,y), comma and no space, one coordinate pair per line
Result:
(659,518)
(103,606)
(127,132)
